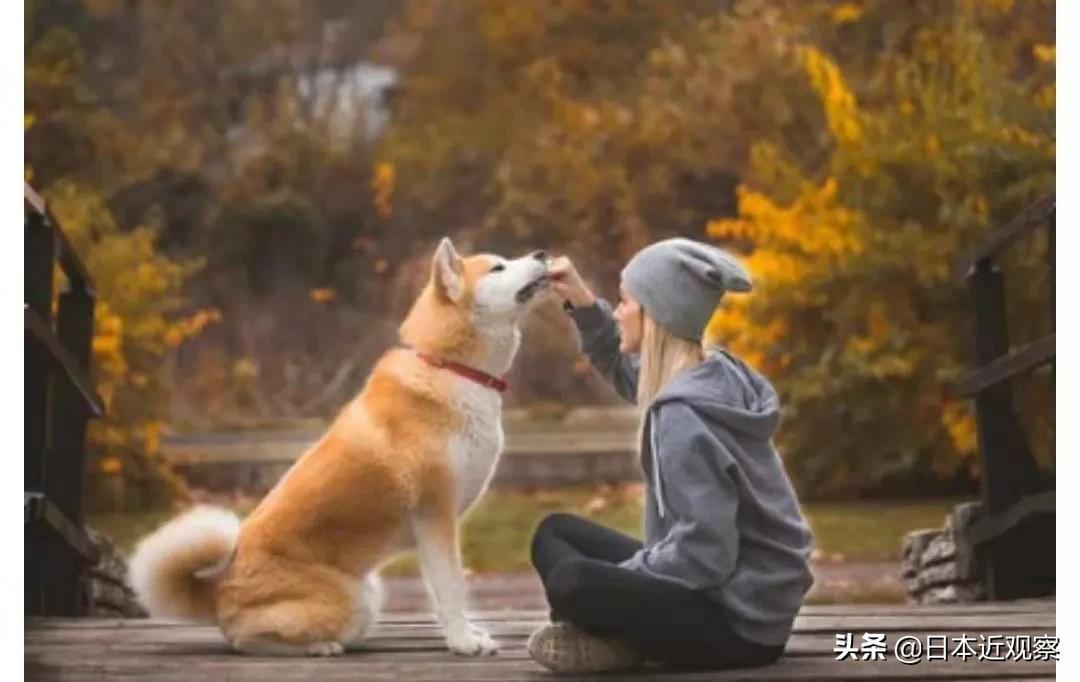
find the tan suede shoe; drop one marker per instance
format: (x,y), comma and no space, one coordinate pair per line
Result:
(564,648)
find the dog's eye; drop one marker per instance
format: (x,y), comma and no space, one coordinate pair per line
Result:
(498,268)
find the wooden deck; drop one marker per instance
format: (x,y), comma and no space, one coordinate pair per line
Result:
(409,647)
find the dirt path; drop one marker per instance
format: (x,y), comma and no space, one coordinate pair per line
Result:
(877,581)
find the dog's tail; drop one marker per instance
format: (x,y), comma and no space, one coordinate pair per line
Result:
(174,570)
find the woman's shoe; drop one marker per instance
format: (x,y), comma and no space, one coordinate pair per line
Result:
(564,648)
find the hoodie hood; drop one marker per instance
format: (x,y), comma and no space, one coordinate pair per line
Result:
(727,392)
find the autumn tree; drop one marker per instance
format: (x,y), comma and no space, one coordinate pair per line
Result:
(860,313)
(851,150)
(237,130)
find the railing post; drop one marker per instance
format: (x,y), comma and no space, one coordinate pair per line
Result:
(40,246)
(74,327)
(1008,469)
(1051,254)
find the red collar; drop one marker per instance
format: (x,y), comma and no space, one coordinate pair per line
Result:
(482,378)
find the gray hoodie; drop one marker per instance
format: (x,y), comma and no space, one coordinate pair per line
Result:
(720,512)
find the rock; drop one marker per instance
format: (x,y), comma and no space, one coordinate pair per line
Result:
(914,544)
(941,548)
(939,574)
(939,564)
(107,593)
(963,515)
(960,521)
(953,594)
(914,586)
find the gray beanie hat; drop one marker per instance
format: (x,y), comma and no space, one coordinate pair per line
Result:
(681,281)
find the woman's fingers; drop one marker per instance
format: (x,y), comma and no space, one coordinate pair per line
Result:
(567,283)
(560,268)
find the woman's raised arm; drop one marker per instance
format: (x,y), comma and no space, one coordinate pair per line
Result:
(597,328)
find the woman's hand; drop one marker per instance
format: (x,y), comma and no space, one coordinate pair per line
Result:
(567,283)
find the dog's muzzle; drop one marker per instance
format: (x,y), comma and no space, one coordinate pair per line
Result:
(529,290)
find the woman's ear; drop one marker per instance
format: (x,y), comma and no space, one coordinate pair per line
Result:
(448,271)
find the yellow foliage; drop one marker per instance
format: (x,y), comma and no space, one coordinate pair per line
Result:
(245,369)
(136,323)
(958,421)
(846,13)
(828,82)
(382,188)
(152,437)
(190,326)
(815,225)
(1046,97)
(322,295)
(878,326)
(174,337)
(1045,53)
(106,344)
(110,464)
(932,145)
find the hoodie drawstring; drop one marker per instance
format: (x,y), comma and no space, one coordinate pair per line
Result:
(656,468)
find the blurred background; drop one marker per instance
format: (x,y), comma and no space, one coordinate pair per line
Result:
(256,187)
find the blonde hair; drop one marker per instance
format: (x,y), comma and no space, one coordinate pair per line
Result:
(663,355)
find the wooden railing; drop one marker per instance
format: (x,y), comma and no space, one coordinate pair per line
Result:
(59,398)
(1014,539)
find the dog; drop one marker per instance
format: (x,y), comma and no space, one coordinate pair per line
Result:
(396,469)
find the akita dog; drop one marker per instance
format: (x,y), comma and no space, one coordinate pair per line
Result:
(398,466)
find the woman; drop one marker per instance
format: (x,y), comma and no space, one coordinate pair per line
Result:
(725,562)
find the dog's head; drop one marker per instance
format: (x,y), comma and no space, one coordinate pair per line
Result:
(491,288)
(478,293)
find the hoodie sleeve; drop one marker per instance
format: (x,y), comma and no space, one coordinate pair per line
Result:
(697,489)
(600,343)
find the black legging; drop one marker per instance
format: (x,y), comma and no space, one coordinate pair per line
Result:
(667,622)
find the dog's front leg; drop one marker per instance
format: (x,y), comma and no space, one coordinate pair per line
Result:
(436,533)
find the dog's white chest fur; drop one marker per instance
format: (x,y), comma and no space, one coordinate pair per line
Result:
(474,450)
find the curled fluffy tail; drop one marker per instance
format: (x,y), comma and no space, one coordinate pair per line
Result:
(174,570)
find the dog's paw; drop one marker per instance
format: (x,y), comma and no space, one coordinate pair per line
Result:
(324,649)
(471,641)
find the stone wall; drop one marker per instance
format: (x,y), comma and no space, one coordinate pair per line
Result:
(939,565)
(106,591)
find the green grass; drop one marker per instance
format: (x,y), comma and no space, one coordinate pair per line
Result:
(496,533)
(495,536)
(871,531)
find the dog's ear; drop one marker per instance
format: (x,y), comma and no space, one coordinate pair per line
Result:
(448,271)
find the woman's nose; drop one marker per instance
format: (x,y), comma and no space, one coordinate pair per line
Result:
(539,255)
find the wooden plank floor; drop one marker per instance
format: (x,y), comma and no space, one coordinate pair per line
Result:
(409,647)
